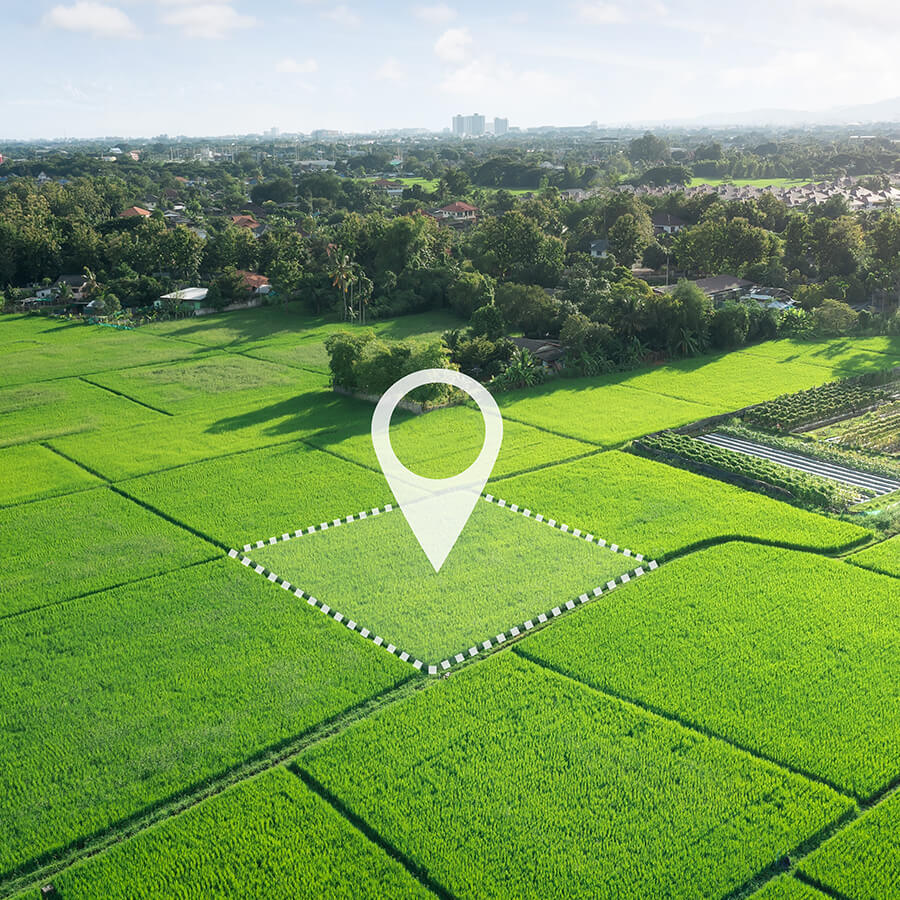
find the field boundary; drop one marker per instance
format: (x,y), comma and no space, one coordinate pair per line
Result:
(515,631)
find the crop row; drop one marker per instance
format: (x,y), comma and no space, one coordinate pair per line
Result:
(820,449)
(878,430)
(801,486)
(789,411)
(119,701)
(270,836)
(521,782)
(717,629)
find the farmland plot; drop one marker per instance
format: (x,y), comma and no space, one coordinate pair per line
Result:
(116,702)
(786,888)
(850,355)
(270,836)
(863,860)
(883,557)
(791,655)
(523,783)
(504,569)
(662,510)
(66,546)
(211,382)
(33,412)
(31,471)
(262,493)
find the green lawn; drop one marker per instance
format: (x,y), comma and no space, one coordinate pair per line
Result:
(510,780)
(504,569)
(270,836)
(31,472)
(790,655)
(65,546)
(118,701)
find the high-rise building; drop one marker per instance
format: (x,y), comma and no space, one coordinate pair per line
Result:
(501,126)
(468,126)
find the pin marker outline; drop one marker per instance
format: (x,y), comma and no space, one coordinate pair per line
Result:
(436,509)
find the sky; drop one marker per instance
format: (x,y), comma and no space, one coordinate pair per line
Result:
(138,68)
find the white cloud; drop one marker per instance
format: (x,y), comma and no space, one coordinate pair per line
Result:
(391,70)
(92,18)
(207,20)
(344,16)
(453,44)
(494,84)
(439,14)
(291,66)
(599,12)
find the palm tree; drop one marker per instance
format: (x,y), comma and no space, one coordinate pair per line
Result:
(342,276)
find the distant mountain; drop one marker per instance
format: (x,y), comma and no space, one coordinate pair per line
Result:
(862,113)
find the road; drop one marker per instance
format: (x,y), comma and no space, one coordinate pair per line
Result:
(878,484)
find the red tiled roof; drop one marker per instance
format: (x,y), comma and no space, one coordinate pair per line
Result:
(134,211)
(252,280)
(244,222)
(458,206)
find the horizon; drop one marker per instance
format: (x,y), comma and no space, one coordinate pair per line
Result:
(136,67)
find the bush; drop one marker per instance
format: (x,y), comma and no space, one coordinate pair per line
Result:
(487,321)
(729,325)
(835,318)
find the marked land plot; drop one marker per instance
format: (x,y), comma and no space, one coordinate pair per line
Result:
(506,570)
(664,510)
(34,412)
(66,546)
(863,860)
(784,887)
(31,471)
(117,702)
(511,780)
(213,381)
(270,836)
(790,655)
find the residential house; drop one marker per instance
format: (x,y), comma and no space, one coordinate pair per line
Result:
(256,284)
(244,221)
(600,248)
(191,298)
(549,353)
(666,223)
(393,189)
(458,214)
(134,211)
(718,288)
(78,285)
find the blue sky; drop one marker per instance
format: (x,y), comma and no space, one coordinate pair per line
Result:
(82,68)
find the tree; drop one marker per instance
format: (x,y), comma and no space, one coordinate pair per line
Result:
(513,247)
(281,190)
(470,291)
(837,245)
(487,322)
(628,237)
(834,318)
(342,277)
(648,148)
(729,325)
(528,308)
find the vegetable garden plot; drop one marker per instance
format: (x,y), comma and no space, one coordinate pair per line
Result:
(34,412)
(31,471)
(662,509)
(65,546)
(863,860)
(510,780)
(267,837)
(507,573)
(788,654)
(222,379)
(124,699)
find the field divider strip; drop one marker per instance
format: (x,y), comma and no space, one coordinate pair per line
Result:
(110,390)
(822,888)
(694,727)
(40,869)
(418,872)
(74,461)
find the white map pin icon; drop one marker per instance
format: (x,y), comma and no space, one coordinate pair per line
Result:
(437,509)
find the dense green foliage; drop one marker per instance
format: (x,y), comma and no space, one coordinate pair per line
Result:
(32,471)
(66,546)
(876,431)
(118,701)
(800,486)
(523,782)
(435,615)
(786,888)
(790,411)
(863,860)
(719,628)
(661,510)
(269,835)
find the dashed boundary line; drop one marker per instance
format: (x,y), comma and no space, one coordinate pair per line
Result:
(482,647)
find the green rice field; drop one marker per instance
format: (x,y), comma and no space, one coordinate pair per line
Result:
(176,724)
